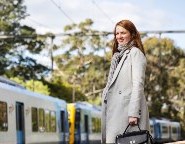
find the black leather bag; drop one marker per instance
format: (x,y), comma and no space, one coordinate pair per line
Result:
(135,137)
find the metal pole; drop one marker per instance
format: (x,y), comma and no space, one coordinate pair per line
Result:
(51,52)
(160,60)
(74,82)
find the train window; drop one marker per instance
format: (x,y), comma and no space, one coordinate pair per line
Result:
(164,129)
(174,130)
(93,125)
(53,121)
(99,125)
(47,120)
(152,129)
(3,116)
(96,125)
(41,120)
(62,118)
(34,119)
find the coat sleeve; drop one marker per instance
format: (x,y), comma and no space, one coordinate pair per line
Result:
(138,77)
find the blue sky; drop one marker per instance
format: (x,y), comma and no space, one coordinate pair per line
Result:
(44,16)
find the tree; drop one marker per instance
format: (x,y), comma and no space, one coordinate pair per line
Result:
(177,90)
(163,56)
(61,89)
(20,43)
(32,85)
(80,64)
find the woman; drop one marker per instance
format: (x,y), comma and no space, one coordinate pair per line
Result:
(123,99)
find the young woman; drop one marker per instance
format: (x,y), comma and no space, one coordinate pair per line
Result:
(123,99)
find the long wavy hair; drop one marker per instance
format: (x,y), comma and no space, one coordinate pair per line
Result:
(135,36)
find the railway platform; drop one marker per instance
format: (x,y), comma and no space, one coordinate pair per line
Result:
(178,142)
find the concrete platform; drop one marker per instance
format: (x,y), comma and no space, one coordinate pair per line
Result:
(178,142)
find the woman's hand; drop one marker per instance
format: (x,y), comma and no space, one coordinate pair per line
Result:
(133,120)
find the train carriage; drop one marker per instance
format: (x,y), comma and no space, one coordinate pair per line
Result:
(164,130)
(175,131)
(31,118)
(85,123)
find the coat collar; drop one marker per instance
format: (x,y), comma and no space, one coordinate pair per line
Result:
(124,57)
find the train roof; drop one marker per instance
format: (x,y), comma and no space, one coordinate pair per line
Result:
(10,82)
(164,120)
(151,122)
(87,106)
(13,87)
(175,123)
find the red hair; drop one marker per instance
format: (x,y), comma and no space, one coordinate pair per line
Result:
(135,36)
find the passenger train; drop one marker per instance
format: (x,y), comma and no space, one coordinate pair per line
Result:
(163,130)
(30,118)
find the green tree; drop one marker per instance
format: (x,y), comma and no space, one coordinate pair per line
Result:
(18,42)
(32,85)
(163,56)
(177,91)
(63,90)
(80,65)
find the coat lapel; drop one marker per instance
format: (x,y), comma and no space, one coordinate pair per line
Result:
(124,57)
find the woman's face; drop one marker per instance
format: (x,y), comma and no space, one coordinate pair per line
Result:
(123,36)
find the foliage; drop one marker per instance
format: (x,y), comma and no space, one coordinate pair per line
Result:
(19,43)
(177,91)
(80,64)
(163,81)
(63,90)
(36,86)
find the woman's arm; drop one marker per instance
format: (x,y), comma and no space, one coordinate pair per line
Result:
(138,78)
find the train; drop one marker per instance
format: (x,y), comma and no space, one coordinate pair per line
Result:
(31,118)
(27,117)
(164,130)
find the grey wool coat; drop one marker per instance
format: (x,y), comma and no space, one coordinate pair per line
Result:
(125,96)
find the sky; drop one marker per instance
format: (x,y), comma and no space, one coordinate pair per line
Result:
(53,15)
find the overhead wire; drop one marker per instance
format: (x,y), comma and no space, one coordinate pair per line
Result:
(100,9)
(61,10)
(38,23)
(90,34)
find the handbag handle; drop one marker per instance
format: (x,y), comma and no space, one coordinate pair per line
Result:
(150,137)
(128,127)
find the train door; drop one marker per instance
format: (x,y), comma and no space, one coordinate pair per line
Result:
(66,128)
(86,126)
(62,125)
(77,127)
(20,123)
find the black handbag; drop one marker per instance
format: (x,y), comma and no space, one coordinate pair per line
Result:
(134,137)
